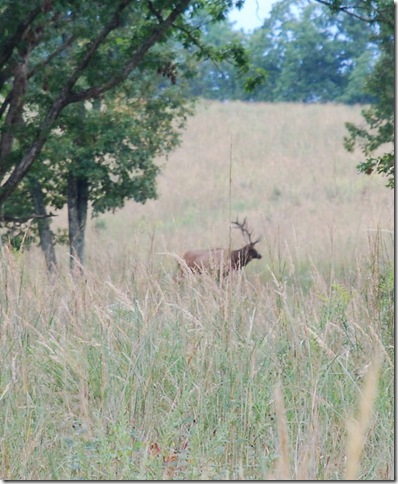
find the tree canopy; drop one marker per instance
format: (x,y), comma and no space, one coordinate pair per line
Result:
(305,53)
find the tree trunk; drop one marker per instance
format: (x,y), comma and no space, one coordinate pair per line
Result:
(45,233)
(14,118)
(77,218)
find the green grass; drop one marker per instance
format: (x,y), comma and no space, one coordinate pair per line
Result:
(92,375)
(125,374)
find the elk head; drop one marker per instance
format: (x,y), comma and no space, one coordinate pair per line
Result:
(243,256)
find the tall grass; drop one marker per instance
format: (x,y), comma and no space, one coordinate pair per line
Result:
(284,370)
(150,380)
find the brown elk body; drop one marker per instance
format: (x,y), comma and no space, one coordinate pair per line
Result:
(221,261)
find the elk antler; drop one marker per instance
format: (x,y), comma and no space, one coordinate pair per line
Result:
(245,231)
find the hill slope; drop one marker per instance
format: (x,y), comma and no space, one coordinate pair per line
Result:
(291,177)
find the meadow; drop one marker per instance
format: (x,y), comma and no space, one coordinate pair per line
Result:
(283,371)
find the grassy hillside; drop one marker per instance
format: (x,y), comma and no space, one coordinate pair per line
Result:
(285,370)
(290,175)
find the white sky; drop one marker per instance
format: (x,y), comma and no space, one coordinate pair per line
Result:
(251,15)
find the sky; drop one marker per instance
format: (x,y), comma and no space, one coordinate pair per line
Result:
(251,15)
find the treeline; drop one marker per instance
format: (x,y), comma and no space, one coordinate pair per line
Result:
(304,52)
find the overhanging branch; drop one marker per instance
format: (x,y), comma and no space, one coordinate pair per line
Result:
(66,95)
(24,219)
(348,9)
(58,105)
(159,30)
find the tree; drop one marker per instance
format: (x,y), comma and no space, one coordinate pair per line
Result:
(378,132)
(225,71)
(87,103)
(311,55)
(218,78)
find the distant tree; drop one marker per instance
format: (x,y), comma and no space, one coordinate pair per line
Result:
(378,132)
(310,55)
(223,70)
(88,102)
(217,78)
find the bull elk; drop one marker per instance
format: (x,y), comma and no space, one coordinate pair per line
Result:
(221,261)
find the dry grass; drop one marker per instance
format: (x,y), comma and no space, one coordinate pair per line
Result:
(358,429)
(290,175)
(123,374)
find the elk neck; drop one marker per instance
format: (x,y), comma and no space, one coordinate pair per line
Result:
(240,257)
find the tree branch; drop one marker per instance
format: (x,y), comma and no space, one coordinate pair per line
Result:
(52,56)
(160,29)
(10,44)
(348,10)
(22,220)
(16,104)
(67,97)
(5,103)
(112,25)
(58,105)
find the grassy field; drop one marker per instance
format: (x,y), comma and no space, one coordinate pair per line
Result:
(283,371)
